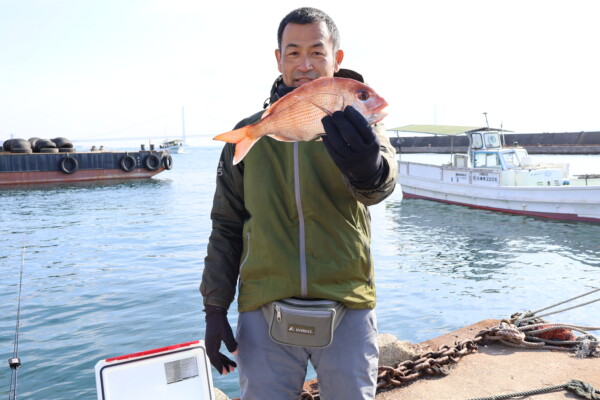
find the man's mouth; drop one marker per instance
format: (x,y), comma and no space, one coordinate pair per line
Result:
(301,81)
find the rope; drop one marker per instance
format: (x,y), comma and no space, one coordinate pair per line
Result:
(15,362)
(548,326)
(566,301)
(529,315)
(564,309)
(581,389)
(513,336)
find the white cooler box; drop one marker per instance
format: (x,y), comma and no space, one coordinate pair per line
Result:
(178,372)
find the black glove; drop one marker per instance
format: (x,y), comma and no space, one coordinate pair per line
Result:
(354,147)
(218,330)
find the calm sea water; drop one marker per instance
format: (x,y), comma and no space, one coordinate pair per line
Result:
(113,269)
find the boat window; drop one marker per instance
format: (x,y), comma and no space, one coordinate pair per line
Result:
(521,153)
(511,159)
(486,160)
(492,140)
(476,141)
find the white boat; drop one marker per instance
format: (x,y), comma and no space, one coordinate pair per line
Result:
(175,146)
(498,178)
(172,146)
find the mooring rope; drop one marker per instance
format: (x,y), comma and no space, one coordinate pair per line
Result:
(529,315)
(532,326)
(566,301)
(15,362)
(580,388)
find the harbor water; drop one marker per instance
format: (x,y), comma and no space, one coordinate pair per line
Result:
(112,269)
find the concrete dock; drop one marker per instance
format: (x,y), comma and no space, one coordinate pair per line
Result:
(496,370)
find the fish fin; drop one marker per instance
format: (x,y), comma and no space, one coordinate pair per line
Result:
(243,140)
(326,111)
(281,139)
(234,136)
(242,148)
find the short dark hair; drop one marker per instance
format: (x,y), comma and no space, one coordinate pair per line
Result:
(309,15)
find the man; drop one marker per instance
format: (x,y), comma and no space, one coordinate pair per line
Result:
(291,221)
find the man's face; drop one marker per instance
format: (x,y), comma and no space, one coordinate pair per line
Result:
(306,54)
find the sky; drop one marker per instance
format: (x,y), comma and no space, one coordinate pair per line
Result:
(96,70)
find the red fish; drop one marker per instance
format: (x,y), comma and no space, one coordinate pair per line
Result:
(297,115)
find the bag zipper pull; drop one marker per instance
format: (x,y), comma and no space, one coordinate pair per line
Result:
(278,313)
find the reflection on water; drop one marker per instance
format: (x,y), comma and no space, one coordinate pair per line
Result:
(16,190)
(473,233)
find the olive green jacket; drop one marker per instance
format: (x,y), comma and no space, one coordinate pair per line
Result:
(287,223)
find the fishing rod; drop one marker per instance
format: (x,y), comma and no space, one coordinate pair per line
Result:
(15,362)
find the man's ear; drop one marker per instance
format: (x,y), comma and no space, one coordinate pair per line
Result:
(339,56)
(278,57)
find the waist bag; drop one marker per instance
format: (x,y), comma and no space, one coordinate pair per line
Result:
(305,323)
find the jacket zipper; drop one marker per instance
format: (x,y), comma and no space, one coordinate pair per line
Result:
(363,239)
(245,259)
(302,243)
(313,313)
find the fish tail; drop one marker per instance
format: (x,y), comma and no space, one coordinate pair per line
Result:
(234,136)
(242,148)
(243,140)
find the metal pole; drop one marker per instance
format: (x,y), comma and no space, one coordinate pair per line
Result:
(183,125)
(15,362)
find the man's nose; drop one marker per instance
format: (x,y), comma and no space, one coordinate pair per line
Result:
(305,64)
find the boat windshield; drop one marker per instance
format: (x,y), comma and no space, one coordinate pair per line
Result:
(486,159)
(521,153)
(511,160)
(491,139)
(476,141)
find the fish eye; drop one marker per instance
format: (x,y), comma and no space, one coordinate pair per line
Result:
(363,95)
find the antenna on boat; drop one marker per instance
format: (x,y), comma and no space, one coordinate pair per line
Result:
(183,125)
(15,362)
(486,120)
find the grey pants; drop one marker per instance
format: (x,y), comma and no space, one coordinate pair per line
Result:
(346,370)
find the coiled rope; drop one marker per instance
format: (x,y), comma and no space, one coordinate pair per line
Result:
(581,389)
(526,330)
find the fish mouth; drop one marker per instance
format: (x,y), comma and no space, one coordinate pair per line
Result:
(379,114)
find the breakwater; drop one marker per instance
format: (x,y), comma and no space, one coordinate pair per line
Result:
(534,143)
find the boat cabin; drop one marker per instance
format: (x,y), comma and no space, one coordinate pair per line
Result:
(485,147)
(486,151)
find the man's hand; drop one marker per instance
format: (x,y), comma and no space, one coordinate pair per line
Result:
(218,330)
(354,147)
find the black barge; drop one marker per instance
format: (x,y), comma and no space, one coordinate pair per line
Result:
(36,161)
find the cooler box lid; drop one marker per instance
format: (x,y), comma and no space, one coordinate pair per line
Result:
(181,372)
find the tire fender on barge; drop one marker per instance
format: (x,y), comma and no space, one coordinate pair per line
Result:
(152,162)
(167,162)
(128,163)
(68,165)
